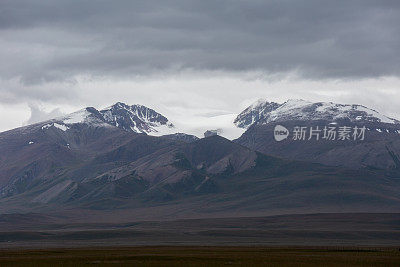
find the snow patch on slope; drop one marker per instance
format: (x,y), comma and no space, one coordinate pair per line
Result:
(79,116)
(62,127)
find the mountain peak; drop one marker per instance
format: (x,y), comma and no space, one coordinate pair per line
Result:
(254,113)
(136,118)
(120,105)
(262,112)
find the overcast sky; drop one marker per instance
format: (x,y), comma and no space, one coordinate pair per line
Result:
(195,61)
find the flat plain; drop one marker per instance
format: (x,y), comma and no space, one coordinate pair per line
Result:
(203,256)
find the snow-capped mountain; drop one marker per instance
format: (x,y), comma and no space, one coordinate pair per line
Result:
(87,159)
(135,118)
(87,115)
(263,112)
(379,149)
(254,113)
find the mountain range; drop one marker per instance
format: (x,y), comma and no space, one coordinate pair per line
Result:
(131,157)
(379,150)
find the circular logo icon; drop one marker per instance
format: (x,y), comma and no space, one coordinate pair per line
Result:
(280,133)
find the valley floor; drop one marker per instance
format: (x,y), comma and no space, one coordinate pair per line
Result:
(326,229)
(203,256)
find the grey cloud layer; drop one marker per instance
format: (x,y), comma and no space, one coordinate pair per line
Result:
(47,40)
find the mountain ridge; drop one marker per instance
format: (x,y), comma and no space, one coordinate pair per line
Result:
(135,118)
(83,161)
(263,112)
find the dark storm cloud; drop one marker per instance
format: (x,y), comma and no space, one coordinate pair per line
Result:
(46,40)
